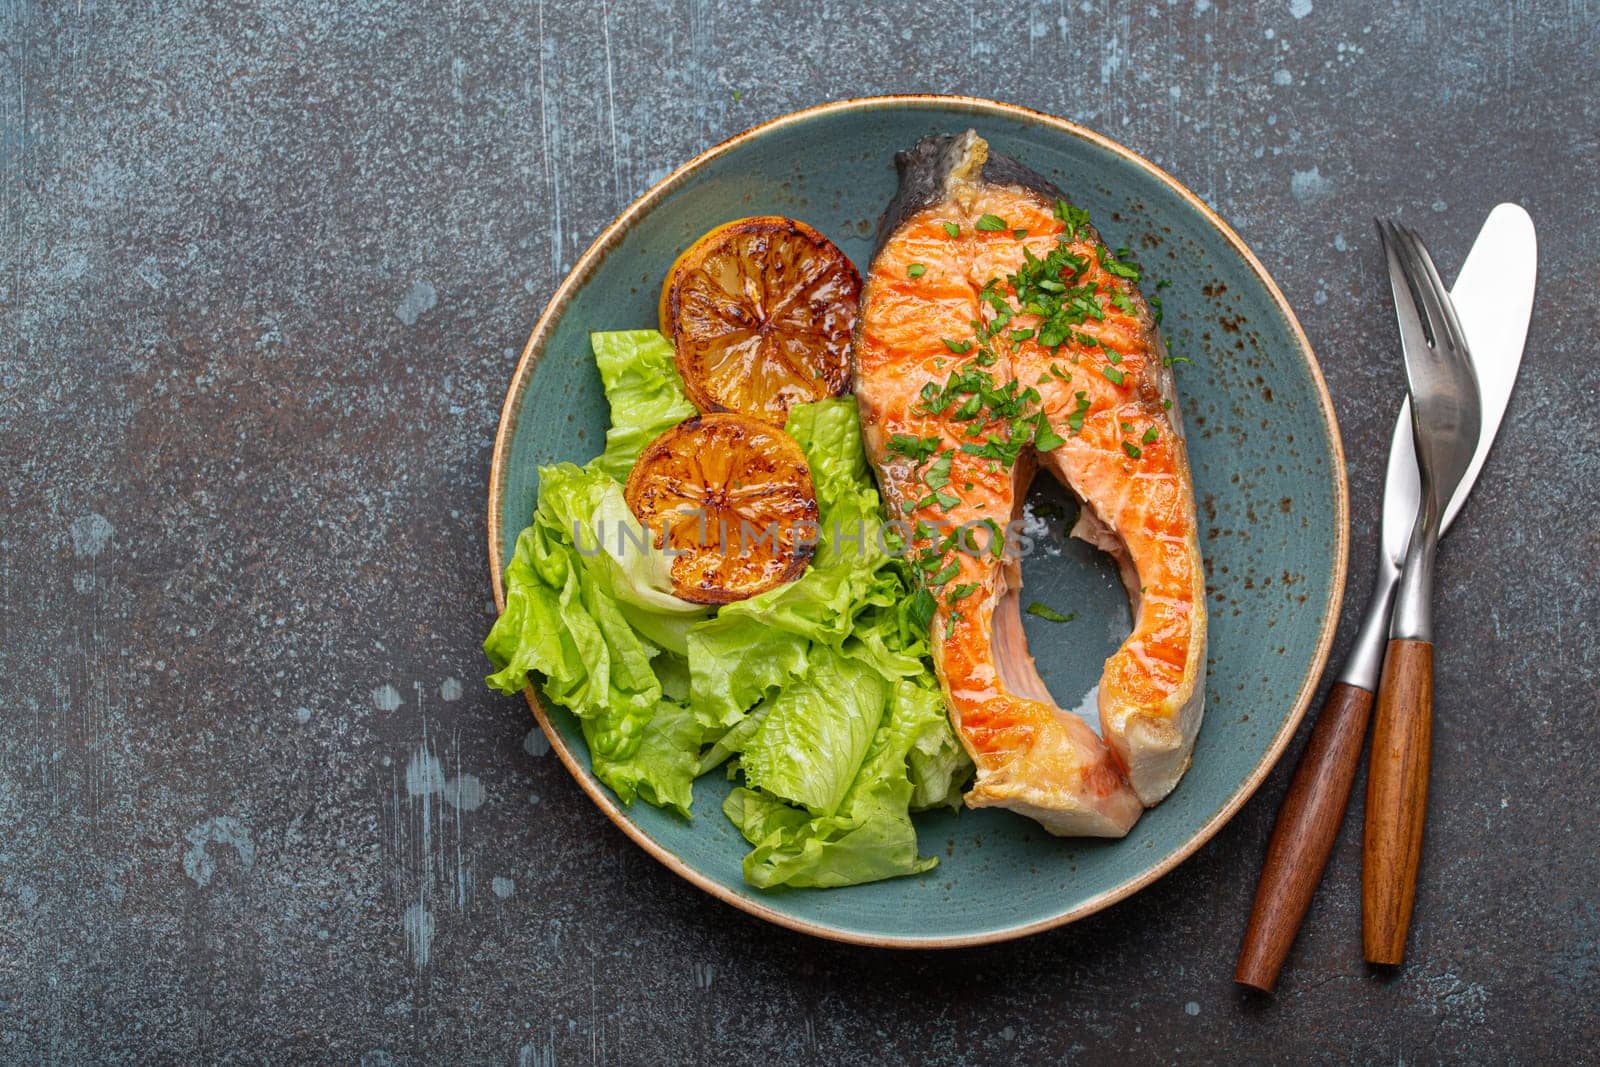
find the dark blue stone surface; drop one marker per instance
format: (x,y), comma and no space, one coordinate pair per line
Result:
(266,269)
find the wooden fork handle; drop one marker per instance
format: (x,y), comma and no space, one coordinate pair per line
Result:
(1397,799)
(1303,837)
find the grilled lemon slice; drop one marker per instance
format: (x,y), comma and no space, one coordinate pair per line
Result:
(760,312)
(731,497)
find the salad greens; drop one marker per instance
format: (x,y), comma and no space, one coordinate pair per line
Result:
(819,692)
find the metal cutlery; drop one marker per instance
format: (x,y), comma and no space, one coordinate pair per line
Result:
(1494,298)
(1446,415)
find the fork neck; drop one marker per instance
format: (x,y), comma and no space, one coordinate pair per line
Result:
(1413,607)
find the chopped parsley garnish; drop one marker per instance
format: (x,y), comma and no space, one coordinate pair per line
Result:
(1047,439)
(1114,266)
(916,270)
(1021,335)
(1113,375)
(1047,613)
(1075,419)
(992,224)
(917,449)
(952,229)
(937,476)
(960,348)
(1131,449)
(1074,220)
(1150,435)
(1019,234)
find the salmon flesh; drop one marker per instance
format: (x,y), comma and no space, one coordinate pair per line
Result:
(998,335)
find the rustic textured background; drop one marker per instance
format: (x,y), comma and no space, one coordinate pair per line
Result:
(266,269)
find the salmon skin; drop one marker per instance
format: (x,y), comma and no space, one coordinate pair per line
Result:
(997,335)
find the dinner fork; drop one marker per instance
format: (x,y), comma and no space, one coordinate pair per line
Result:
(1446,412)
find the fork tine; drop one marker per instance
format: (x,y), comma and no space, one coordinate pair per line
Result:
(1417,314)
(1428,298)
(1452,323)
(1408,315)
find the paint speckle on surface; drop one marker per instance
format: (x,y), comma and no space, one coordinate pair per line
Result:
(386,698)
(536,743)
(419,930)
(1282,77)
(464,792)
(302,715)
(450,690)
(225,831)
(419,299)
(90,535)
(1309,186)
(1300,8)
(1191,1008)
(1440,207)
(424,774)
(28,897)
(502,887)
(1339,243)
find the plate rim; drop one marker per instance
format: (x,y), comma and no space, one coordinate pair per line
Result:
(612,235)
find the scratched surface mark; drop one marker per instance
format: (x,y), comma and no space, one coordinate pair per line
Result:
(264,271)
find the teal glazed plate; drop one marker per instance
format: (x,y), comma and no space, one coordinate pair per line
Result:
(1268,471)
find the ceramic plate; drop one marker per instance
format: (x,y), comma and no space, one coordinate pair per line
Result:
(1268,471)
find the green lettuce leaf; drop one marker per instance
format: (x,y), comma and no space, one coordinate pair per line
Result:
(936,763)
(565,621)
(644,390)
(812,742)
(560,619)
(661,768)
(870,838)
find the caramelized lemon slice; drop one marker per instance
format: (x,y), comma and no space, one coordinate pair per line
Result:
(731,497)
(760,312)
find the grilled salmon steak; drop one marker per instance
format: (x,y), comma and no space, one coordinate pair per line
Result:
(996,335)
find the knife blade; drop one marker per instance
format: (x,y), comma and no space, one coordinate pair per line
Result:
(1494,298)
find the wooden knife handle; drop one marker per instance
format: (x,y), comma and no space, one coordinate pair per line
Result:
(1397,799)
(1302,839)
